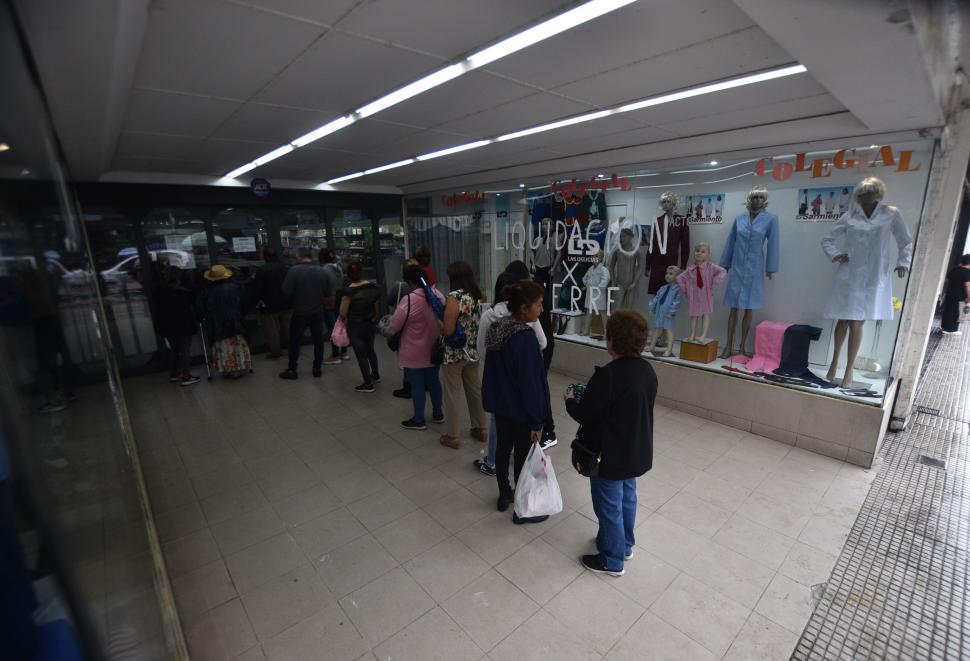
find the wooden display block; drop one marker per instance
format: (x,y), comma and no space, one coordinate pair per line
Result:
(697,352)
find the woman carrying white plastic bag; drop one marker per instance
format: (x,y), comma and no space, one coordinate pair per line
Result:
(537,491)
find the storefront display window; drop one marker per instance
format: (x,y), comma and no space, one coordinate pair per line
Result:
(302,228)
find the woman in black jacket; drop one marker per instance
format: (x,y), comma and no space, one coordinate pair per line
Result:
(175,321)
(616,417)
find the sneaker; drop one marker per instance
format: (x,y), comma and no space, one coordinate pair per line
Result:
(504,500)
(517,520)
(952,332)
(449,441)
(317,372)
(402,393)
(190,380)
(365,387)
(438,419)
(345,356)
(332,361)
(548,440)
(288,374)
(175,378)
(414,425)
(482,467)
(628,556)
(592,563)
(52,407)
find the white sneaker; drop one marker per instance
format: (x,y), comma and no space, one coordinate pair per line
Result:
(952,333)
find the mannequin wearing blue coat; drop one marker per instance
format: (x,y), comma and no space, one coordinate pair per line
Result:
(748,262)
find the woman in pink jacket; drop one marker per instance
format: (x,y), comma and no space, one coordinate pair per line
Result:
(419,330)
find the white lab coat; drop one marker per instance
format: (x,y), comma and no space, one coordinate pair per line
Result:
(863,288)
(597,281)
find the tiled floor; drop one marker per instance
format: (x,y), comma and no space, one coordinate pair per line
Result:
(299,521)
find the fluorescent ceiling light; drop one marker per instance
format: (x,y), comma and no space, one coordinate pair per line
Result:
(417,87)
(346,177)
(4,146)
(326,129)
(453,150)
(714,87)
(588,117)
(407,161)
(262,160)
(569,121)
(713,163)
(546,29)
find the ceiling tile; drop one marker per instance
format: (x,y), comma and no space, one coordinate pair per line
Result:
(457,98)
(448,28)
(179,114)
(216,48)
(329,12)
(365,135)
(754,115)
(416,144)
(629,34)
(539,108)
(722,57)
(148,145)
(274,124)
(342,73)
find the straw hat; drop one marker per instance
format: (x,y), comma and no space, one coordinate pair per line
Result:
(216,273)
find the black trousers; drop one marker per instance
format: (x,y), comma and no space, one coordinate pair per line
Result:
(950,321)
(514,438)
(550,425)
(181,358)
(361,335)
(298,325)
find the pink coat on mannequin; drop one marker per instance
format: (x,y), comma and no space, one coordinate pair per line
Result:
(700,300)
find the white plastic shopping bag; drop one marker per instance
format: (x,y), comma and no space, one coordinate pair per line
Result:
(537,491)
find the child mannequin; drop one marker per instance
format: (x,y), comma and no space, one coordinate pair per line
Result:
(664,307)
(597,281)
(698,282)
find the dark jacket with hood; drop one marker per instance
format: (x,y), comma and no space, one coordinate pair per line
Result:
(220,305)
(514,385)
(616,417)
(268,287)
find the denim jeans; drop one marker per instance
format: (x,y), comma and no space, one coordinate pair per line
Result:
(421,379)
(330,317)
(298,325)
(615,505)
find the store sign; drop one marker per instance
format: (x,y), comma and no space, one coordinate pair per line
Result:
(260,188)
(244,244)
(580,188)
(458,199)
(842,160)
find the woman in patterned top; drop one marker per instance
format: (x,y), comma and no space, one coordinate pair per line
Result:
(460,369)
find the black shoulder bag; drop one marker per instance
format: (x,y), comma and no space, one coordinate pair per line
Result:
(585,460)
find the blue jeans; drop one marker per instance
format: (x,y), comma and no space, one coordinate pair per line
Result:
(330,317)
(421,379)
(615,504)
(492,442)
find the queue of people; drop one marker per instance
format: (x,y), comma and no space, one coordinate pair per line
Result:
(440,342)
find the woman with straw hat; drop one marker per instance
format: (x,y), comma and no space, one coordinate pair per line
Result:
(220,306)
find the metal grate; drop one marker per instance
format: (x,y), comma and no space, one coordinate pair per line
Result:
(898,589)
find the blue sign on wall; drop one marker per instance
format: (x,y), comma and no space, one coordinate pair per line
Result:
(260,187)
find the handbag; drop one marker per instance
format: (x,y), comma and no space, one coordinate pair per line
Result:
(585,461)
(394,341)
(438,351)
(384,325)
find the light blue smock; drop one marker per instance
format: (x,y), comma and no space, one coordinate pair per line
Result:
(665,313)
(744,255)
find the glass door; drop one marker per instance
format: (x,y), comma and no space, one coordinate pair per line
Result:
(353,237)
(302,228)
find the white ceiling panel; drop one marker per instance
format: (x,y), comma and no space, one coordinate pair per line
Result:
(729,55)
(327,12)
(630,34)
(416,144)
(341,73)
(179,114)
(539,108)
(217,48)
(273,124)
(158,165)
(562,138)
(147,145)
(612,141)
(220,156)
(761,114)
(462,96)
(448,28)
(365,135)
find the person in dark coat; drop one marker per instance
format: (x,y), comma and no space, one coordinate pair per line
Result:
(615,414)
(274,306)
(956,294)
(514,387)
(175,321)
(220,306)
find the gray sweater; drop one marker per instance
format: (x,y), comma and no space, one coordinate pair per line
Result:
(307,286)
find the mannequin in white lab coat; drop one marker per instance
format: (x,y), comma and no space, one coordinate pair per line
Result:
(863,286)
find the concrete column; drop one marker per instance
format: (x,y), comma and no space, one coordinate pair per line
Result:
(941,209)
